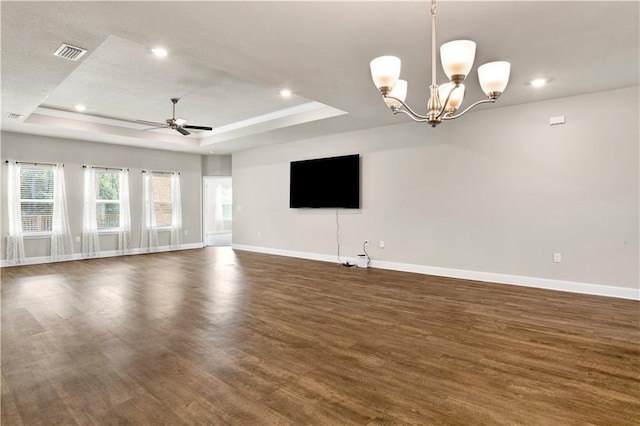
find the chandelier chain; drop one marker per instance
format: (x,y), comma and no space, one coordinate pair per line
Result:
(433,42)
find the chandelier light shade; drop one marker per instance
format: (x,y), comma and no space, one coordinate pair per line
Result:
(457,59)
(494,77)
(397,95)
(385,72)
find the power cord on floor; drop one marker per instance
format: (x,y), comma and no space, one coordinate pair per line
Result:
(346,262)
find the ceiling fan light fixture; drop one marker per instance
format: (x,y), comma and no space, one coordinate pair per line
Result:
(177,124)
(285,93)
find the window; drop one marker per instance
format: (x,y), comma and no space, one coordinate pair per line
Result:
(227,201)
(162,200)
(36,199)
(107,200)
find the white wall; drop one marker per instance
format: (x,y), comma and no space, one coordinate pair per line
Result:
(216,165)
(74,154)
(497,191)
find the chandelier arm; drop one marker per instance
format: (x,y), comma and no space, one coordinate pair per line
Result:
(484,101)
(444,105)
(419,120)
(409,110)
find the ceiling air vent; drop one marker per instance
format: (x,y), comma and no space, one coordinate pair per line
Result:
(14,116)
(72,53)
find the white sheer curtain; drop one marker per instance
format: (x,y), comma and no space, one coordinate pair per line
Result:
(149,233)
(61,243)
(176,212)
(124,234)
(15,240)
(90,243)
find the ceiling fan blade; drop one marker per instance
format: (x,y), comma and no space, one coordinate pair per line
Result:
(154,128)
(152,123)
(183,131)
(197,127)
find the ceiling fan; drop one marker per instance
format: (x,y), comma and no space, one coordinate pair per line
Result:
(175,123)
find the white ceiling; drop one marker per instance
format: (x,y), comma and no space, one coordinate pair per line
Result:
(228,61)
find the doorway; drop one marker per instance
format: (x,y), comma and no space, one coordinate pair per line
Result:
(218,210)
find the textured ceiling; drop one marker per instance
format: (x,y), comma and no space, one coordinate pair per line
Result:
(228,61)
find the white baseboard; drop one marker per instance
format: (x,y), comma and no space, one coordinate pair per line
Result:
(523,281)
(289,253)
(102,254)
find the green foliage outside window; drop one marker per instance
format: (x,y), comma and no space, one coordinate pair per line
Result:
(109,189)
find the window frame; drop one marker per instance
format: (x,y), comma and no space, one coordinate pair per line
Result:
(111,230)
(226,203)
(169,203)
(37,234)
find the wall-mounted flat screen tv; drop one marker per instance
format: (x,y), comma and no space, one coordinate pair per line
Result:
(326,183)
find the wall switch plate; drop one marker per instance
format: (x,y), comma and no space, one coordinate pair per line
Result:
(557,257)
(557,120)
(77,239)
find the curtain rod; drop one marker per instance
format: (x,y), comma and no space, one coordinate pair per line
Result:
(35,164)
(105,168)
(160,173)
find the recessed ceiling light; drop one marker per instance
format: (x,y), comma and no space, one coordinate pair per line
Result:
(285,93)
(160,52)
(80,108)
(538,82)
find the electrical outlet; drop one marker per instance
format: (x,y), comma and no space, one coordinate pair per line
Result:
(557,257)
(77,239)
(259,234)
(381,244)
(186,232)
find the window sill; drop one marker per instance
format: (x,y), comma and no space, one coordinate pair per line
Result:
(113,231)
(36,235)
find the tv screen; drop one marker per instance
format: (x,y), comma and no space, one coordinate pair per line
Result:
(326,182)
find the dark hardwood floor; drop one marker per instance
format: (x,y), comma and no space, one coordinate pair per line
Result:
(214,336)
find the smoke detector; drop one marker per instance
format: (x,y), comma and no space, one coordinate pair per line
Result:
(72,53)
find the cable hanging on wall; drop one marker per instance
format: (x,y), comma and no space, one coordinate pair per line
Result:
(338,235)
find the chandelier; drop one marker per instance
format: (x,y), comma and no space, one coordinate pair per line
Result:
(457,59)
